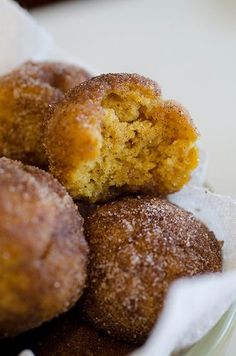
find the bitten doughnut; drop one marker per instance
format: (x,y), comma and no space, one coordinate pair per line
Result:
(43,252)
(138,246)
(25,96)
(114,134)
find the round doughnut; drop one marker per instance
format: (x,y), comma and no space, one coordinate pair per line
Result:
(43,252)
(71,336)
(66,335)
(25,96)
(114,133)
(138,246)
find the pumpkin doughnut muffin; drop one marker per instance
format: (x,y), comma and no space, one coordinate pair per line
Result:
(66,335)
(114,134)
(138,246)
(43,252)
(69,335)
(25,96)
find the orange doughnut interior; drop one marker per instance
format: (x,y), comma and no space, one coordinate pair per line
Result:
(140,143)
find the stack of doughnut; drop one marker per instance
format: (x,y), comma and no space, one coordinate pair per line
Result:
(86,167)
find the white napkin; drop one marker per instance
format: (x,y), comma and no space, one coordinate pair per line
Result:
(193,305)
(22,39)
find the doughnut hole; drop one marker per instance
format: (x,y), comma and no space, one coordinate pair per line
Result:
(43,252)
(26,95)
(138,247)
(118,135)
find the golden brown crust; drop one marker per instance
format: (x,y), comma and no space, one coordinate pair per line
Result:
(138,246)
(43,253)
(25,96)
(96,88)
(84,101)
(92,122)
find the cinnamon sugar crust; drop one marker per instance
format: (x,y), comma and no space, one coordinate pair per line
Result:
(25,96)
(138,246)
(66,335)
(43,252)
(114,133)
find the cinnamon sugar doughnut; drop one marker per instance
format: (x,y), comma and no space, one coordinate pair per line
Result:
(43,253)
(138,246)
(66,335)
(71,336)
(114,134)
(25,96)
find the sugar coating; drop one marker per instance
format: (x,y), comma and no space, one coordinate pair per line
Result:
(70,335)
(25,96)
(43,252)
(114,133)
(138,247)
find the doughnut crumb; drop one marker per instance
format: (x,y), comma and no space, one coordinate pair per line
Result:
(120,135)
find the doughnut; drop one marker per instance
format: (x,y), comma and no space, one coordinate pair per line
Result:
(43,252)
(25,96)
(66,335)
(114,134)
(71,336)
(138,246)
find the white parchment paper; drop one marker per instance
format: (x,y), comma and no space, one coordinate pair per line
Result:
(193,305)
